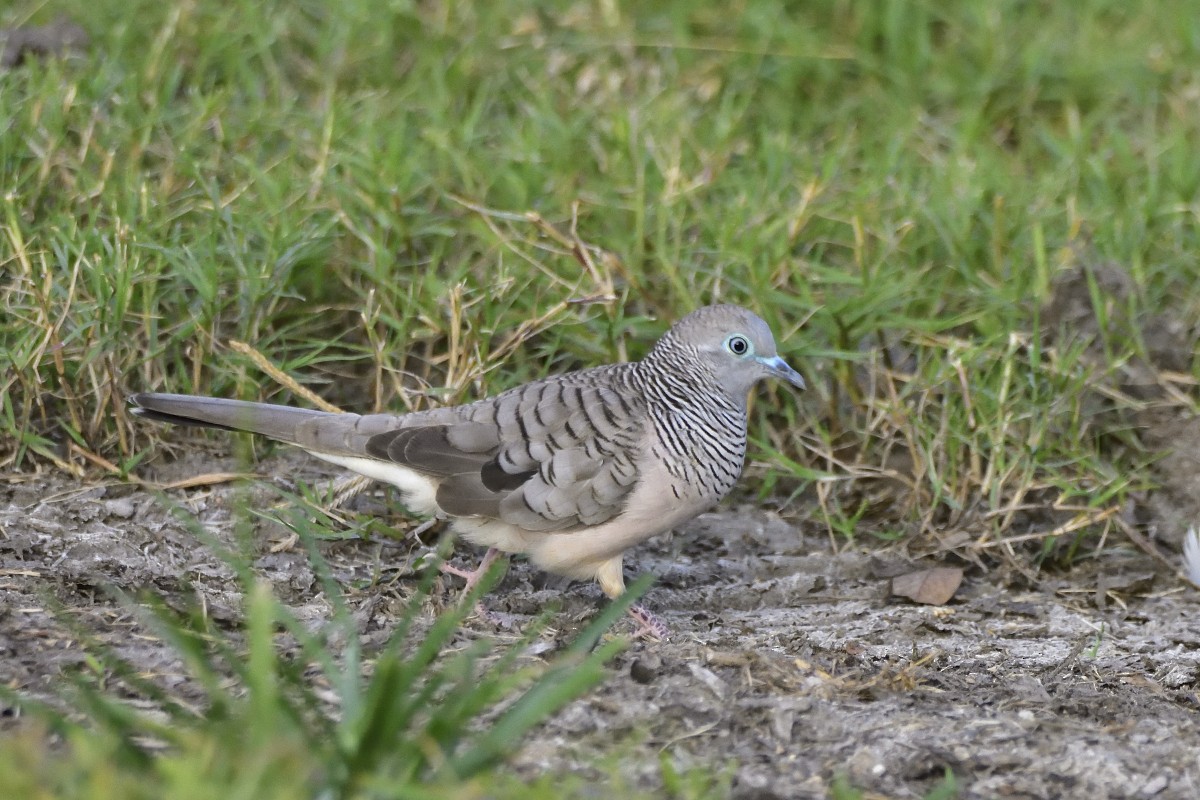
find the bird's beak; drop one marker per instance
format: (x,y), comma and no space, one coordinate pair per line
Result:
(780,369)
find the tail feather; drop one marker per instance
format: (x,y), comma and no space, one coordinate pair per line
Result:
(277,422)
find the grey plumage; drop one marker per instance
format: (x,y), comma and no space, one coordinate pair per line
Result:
(573,469)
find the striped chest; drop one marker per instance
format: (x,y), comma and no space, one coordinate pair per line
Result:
(702,447)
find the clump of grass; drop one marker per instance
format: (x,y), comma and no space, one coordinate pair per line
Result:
(971,440)
(278,709)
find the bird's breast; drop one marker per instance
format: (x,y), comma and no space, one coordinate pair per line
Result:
(701,451)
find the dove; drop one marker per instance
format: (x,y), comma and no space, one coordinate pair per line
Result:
(571,470)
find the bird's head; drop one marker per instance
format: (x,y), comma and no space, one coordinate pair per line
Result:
(734,345)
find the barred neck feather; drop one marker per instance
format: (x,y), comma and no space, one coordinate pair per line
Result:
(700,430)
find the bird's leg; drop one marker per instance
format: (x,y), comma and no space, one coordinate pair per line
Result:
(610,575)
(472,576)
(649,625)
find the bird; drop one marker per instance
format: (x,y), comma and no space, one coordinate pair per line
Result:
(571,470)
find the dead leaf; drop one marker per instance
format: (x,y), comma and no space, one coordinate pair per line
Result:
(932,587)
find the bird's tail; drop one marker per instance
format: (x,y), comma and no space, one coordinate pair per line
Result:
(277,422)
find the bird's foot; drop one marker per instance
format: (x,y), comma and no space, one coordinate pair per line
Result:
(472,576)
(649,625)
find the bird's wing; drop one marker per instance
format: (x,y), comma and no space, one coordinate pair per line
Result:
(549,456)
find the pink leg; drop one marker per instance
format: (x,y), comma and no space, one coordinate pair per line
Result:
(649,626)
(473,576)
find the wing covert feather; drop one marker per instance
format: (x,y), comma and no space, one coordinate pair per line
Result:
(548,456)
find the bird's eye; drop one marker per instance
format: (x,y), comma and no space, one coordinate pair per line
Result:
(738,345)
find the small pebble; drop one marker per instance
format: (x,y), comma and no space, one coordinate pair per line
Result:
(121,507)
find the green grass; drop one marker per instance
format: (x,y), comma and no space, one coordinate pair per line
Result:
(277,709)
(895,186)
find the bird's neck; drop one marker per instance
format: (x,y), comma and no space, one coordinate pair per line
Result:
(699,430)
(675,382)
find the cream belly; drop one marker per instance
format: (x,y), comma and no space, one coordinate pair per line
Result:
(596,552)
(586,554)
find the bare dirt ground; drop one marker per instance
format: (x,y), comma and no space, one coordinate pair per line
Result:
(788,663)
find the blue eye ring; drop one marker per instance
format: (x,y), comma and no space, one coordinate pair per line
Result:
(739,345)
